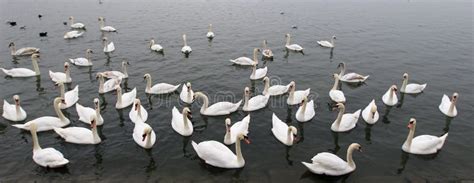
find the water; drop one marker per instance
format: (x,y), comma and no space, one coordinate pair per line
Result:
(432,41)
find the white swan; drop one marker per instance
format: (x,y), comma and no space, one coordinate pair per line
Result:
(108,47)
(61,77)
(254,103)
(126,99)
(24,72)
(160,88)
(295,97)
(186,49)
(22,51)
(217,154)
(284,133)
(109,85)
(330,164)
(447,106)
(350,77)
(187,93)
(217,109)
(306,111)
(105,28)
(13,112)
(274,90)
(292,47)
(210,34)
(83,61)
(335,94)
(144,135)
(138,113)
(412,88)
(390,97)
(155,47)
(344,122)
(73,34)
(246,60)
(328,44)
(423,144)
(232,131)
(370,113)
(181,122)
(46,123)
(47,157)
(70,97)
(80,135)
(85,113)
(76,25)
(118,74)
(266,52)
(258,73)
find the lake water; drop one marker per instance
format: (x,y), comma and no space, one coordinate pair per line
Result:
(432,41)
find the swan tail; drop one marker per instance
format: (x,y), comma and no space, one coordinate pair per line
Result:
(422,87)
(443,139)
(195,146)
(5,71)
(366,77)
(20,126)
(71,60)
(59,131)
(237,105)
(357,114)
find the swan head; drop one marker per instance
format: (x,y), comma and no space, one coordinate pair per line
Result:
(341,65)
(227,124)
(455,97)
(188,112)
(118,88)
(356,146)
(125,63)
(16,98)
(137,104)
(146,76)
(373,110)
(405,76)
(89,51)
(93,120)
(197,95)
(96,102)
(12,44)
(334,37)
(339,106)
(188,85)
(59,100)
(292,86)
(336,76)
(244,137)
(266,79)
(71,18)
(146,131)
(411,123)
(305,100)
(98,75)
(247,91)
(293,131)
(35,57)
(394,88)
(287,35)
(66,66)
(101,19)
(104,39)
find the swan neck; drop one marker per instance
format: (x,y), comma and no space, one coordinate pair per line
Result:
(227,133)
(206,102)
(343,70)
(288,40)
(88,57)
(246,100)
(12,50)
(124,70)
(58,111)
(410,136)
(238,151)
(451,107)
(339,116)
(18,110)
(336,83)
(303,108)
(185,120)
(61,90)
(267,85)
(350,161)
(391,94)
(255,59)
(148,83)
(36,145)
(101,23)
(95,134)
(289,137)
(35,66)
(119,97)
(148,140)
(68,74)
(404,85)
(101,84)
(184,40)
(254,70)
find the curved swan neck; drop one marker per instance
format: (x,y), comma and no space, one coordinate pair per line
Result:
(185,120)
(451,107)
(336,83)
(410,136)
(124,70)
(238,151)
(303,108)
(58,111)
(35,66)
(205,100)
(339,116)
(267,85)
(254,69)
(61,89)
(343,70)
(350,161)
(404,84)
(34,136)
(148,83)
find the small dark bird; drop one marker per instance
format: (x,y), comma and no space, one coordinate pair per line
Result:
(11,23)
(39,16)
(294,27)
(281,12)
(23,27)
(43,34)
(65,23)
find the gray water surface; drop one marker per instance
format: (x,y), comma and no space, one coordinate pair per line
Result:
(432,41)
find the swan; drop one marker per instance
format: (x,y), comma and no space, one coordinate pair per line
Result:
(217,154)
(187,93)
(22,51)
(232,131)
(61,77)
(80,135)
(370,113)
(335,94)
(47,157)
(46,123)
(160,88)
(254,103)
(24,72)
(328,44)
(344,122)
(155,47)
(330,164)
(83,61)
(118,74)
(70,97)
(411,88)
(217,109)
(13,112)
(210,34)
(105,28)
(390,97)
(138,113)
(284,133)
(350,77)
(423,144)
(144,135)
(274,90)
(108,47)
(126,99)
(267,53)
(181,122)
(76,25)
(73,34)
(447,106)
(306,111)
(109,85)
(246,60)
(292,47)
(295,97)
(258,73)
(186,49)
(84,113)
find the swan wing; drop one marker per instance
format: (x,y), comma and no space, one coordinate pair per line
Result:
(185,95)
(415,88)
(19,72)
(77,135)
(109,85)
(278,90)
(49,157)
(243,61)
(426,143)
(84,113)
(80,61)
(329,162)
(260,73)
(162,88)
(222,108)
(71,97)
(240,127)
(216,154)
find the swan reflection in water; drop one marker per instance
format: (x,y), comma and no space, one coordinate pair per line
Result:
(405,156)
(336,149)
(368,131)
(386,113)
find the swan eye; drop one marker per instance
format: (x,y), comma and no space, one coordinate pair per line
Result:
(411,122)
